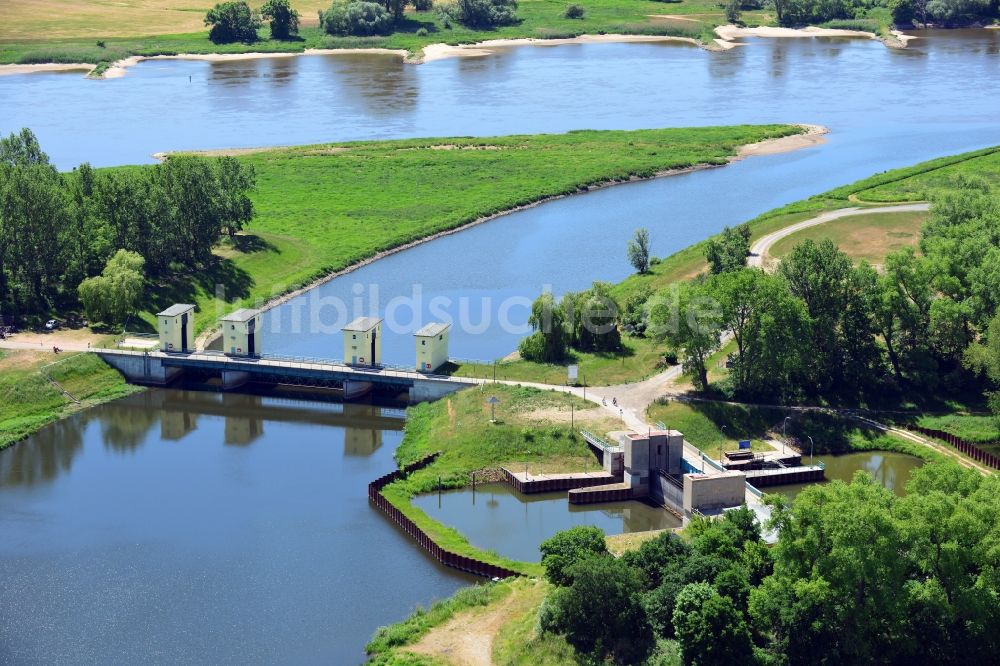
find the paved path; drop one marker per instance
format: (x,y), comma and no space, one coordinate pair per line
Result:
(759,250)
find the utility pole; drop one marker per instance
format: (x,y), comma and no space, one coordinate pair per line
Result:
(784,437)
(812,447)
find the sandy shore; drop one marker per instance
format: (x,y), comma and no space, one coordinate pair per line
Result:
(730,33)
(8,70)
(433,52)
(811,137)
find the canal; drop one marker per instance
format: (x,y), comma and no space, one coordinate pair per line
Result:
(179,527)
(891,470)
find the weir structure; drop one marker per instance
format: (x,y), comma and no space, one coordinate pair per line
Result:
(156,368)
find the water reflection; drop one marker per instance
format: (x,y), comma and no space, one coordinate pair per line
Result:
(127,425)
(52,452)
(495,517)
(891,470)
(173,525)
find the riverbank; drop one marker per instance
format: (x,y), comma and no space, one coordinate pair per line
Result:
(324,210)
(39,388)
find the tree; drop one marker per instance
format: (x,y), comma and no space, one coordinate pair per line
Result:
(232,22)
(591,319)
(779,10)
(732,9)
(768,325)
(691,322)
(953,12)
(117,292)
(710,628)
(236,179)
(356,18)
(729,251)
(638,250)
(284,19)
(600,613)
(564,549)
(34,219)
(548,343)
(485,13)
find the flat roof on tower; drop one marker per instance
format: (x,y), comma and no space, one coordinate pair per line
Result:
(243,314)
(175,310)
(432,329)
(363,324)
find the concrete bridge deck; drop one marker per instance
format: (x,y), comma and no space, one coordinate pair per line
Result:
(161,368)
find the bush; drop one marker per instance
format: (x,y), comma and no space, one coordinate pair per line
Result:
(486,13)
(232,22)
(423,5)
(356,18)
(422,32)
(574,12)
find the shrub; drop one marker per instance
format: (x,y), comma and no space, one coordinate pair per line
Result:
(486,13)
(574,12)
(423,5)
(422,32)
(232,22)
(356,18)
(100,44)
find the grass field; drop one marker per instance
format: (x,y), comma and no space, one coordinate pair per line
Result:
(323,208)
(639,359)
(706,425)
(29,400)
(35,31)
(863,237)
(533,429)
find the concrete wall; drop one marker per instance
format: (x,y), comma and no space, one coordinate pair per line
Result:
(142,369)
(427,390)
(711,492)
(432,351)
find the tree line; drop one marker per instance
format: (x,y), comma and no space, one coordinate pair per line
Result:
(857,576)
(57,230)
(868,14)
(823,327)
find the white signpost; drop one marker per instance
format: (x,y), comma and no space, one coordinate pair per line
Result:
(573,371)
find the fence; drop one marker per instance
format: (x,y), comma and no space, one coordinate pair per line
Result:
(445,557)
(966,447)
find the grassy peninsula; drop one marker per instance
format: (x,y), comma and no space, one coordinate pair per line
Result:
(323,208)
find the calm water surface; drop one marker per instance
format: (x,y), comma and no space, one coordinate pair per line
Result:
(176,527)
(890,469)
(495,517)
(179,528)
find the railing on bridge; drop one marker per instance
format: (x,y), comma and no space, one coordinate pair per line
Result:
(599,442)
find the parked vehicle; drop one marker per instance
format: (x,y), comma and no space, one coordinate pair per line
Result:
(51,325)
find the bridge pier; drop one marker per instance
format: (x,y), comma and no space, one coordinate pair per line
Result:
(355,389)
(233,379)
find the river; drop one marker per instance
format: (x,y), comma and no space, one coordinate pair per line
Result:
(136,532)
